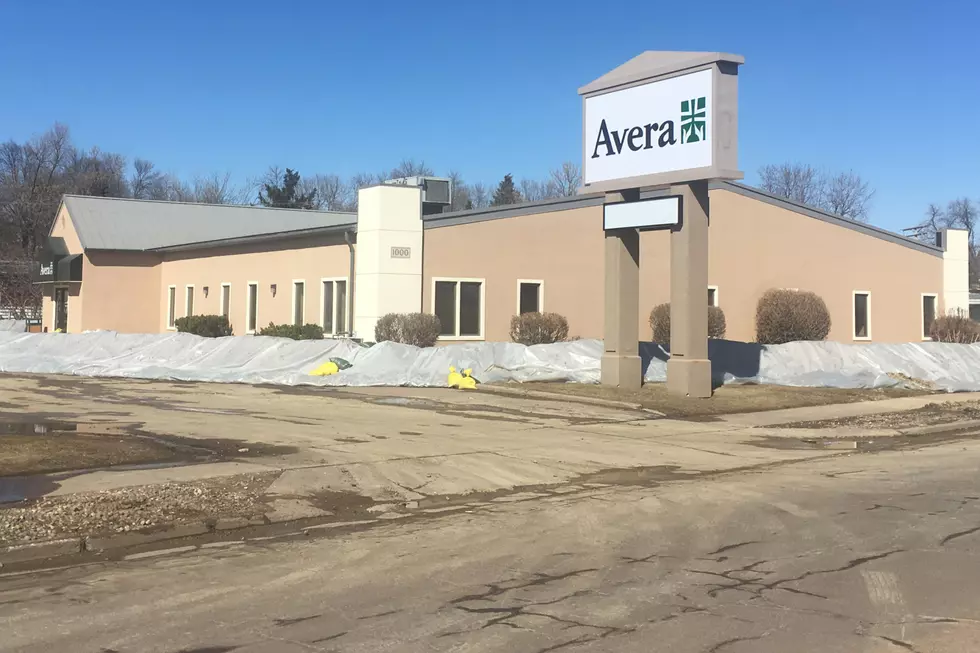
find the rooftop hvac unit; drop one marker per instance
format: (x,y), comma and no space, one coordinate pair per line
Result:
(437,192)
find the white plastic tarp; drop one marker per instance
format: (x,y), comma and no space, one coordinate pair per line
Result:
(259,359)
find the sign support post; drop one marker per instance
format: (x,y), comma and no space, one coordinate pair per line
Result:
(663,121)
(688,369)
(621,355)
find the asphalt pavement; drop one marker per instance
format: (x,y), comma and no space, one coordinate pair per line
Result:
(870,552)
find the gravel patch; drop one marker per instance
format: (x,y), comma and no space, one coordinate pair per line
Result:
(124,510)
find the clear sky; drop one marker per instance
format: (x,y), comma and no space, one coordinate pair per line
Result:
(889,89)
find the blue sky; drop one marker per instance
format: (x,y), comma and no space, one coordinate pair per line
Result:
(888,89)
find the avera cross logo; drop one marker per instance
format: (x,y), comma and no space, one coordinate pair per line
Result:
(693,115)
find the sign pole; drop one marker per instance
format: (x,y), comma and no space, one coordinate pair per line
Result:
(621,356)
(689,369)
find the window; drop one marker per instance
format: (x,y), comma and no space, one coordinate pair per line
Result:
(226,299)
(712,295)
(299,302)
(862,315)
(189,300)
(171,306)
(929,302)
(458,303)
(252,307)
(333,306)
(530,296)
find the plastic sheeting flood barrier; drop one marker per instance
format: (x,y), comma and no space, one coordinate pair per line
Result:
(259,359)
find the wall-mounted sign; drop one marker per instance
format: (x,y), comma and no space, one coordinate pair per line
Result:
(401,252)
(658,212)
(660,120)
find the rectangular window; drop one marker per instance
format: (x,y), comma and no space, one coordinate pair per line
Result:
(171,306)
(341,321)
(712,295)
(299,302)
(862,315)
(458,303)
(929,303)
(530,297)
(189,300)
(333,306)
(252,308)
(226,300)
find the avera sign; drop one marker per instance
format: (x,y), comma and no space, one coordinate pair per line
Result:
(661,118)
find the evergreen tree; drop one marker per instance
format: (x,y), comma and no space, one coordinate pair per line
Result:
(506,193)
(284,193)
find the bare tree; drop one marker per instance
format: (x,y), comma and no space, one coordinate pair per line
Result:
(794,181)
(531,190)
(847,195)
(409,168)
(144,179)
(332,192)
(565,180)
(461,199)
(480,195)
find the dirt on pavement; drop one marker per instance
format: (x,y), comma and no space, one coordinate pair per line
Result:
(929,415)
(726,400)
(138,508)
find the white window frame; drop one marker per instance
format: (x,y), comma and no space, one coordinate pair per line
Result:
(225,294)
(854,335)
(922,310)
(323,322)
(483,305)
(192,297)
(248,305)
(517,309)
(717,301)
(292,311)
(171,323)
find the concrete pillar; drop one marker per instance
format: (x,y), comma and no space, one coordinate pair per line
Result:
(956,271)
(621,357)
(689,370)
(388,257)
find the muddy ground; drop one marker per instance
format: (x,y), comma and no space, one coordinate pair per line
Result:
(727,399)
(929,415)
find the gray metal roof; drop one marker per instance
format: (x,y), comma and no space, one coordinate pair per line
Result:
(127,224)
(653,63)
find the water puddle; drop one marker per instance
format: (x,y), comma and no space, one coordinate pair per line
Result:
(35,428)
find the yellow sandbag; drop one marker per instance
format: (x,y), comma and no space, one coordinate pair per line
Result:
(467,382)
(326,369)
(454,378)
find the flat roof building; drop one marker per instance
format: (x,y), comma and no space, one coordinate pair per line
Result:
(137,265)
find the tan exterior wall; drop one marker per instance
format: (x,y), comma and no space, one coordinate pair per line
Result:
(754,246)
(63,228)
(310,259)
(121,292)
(563,248)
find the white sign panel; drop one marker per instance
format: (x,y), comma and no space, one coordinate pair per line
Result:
(654,128)
(644,213)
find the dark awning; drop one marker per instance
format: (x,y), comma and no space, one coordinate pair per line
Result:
(55,264)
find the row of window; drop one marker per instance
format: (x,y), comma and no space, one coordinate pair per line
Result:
(333,304)
(459,304)
(861,311)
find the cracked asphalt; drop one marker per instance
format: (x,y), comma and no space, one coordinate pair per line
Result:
(872,552)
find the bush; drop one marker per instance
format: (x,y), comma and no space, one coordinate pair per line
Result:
(419,329)
(538,328)
(208,326)
(660,323)
(294,331)
(790,315)
(955,328)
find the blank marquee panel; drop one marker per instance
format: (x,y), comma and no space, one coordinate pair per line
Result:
(659,212)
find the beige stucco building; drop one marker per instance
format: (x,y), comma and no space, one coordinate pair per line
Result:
(137,266)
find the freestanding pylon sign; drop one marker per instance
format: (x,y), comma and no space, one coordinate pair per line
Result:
(662,120)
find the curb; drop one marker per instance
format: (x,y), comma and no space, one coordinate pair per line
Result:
(544,394)
(39,550)
(941,428)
